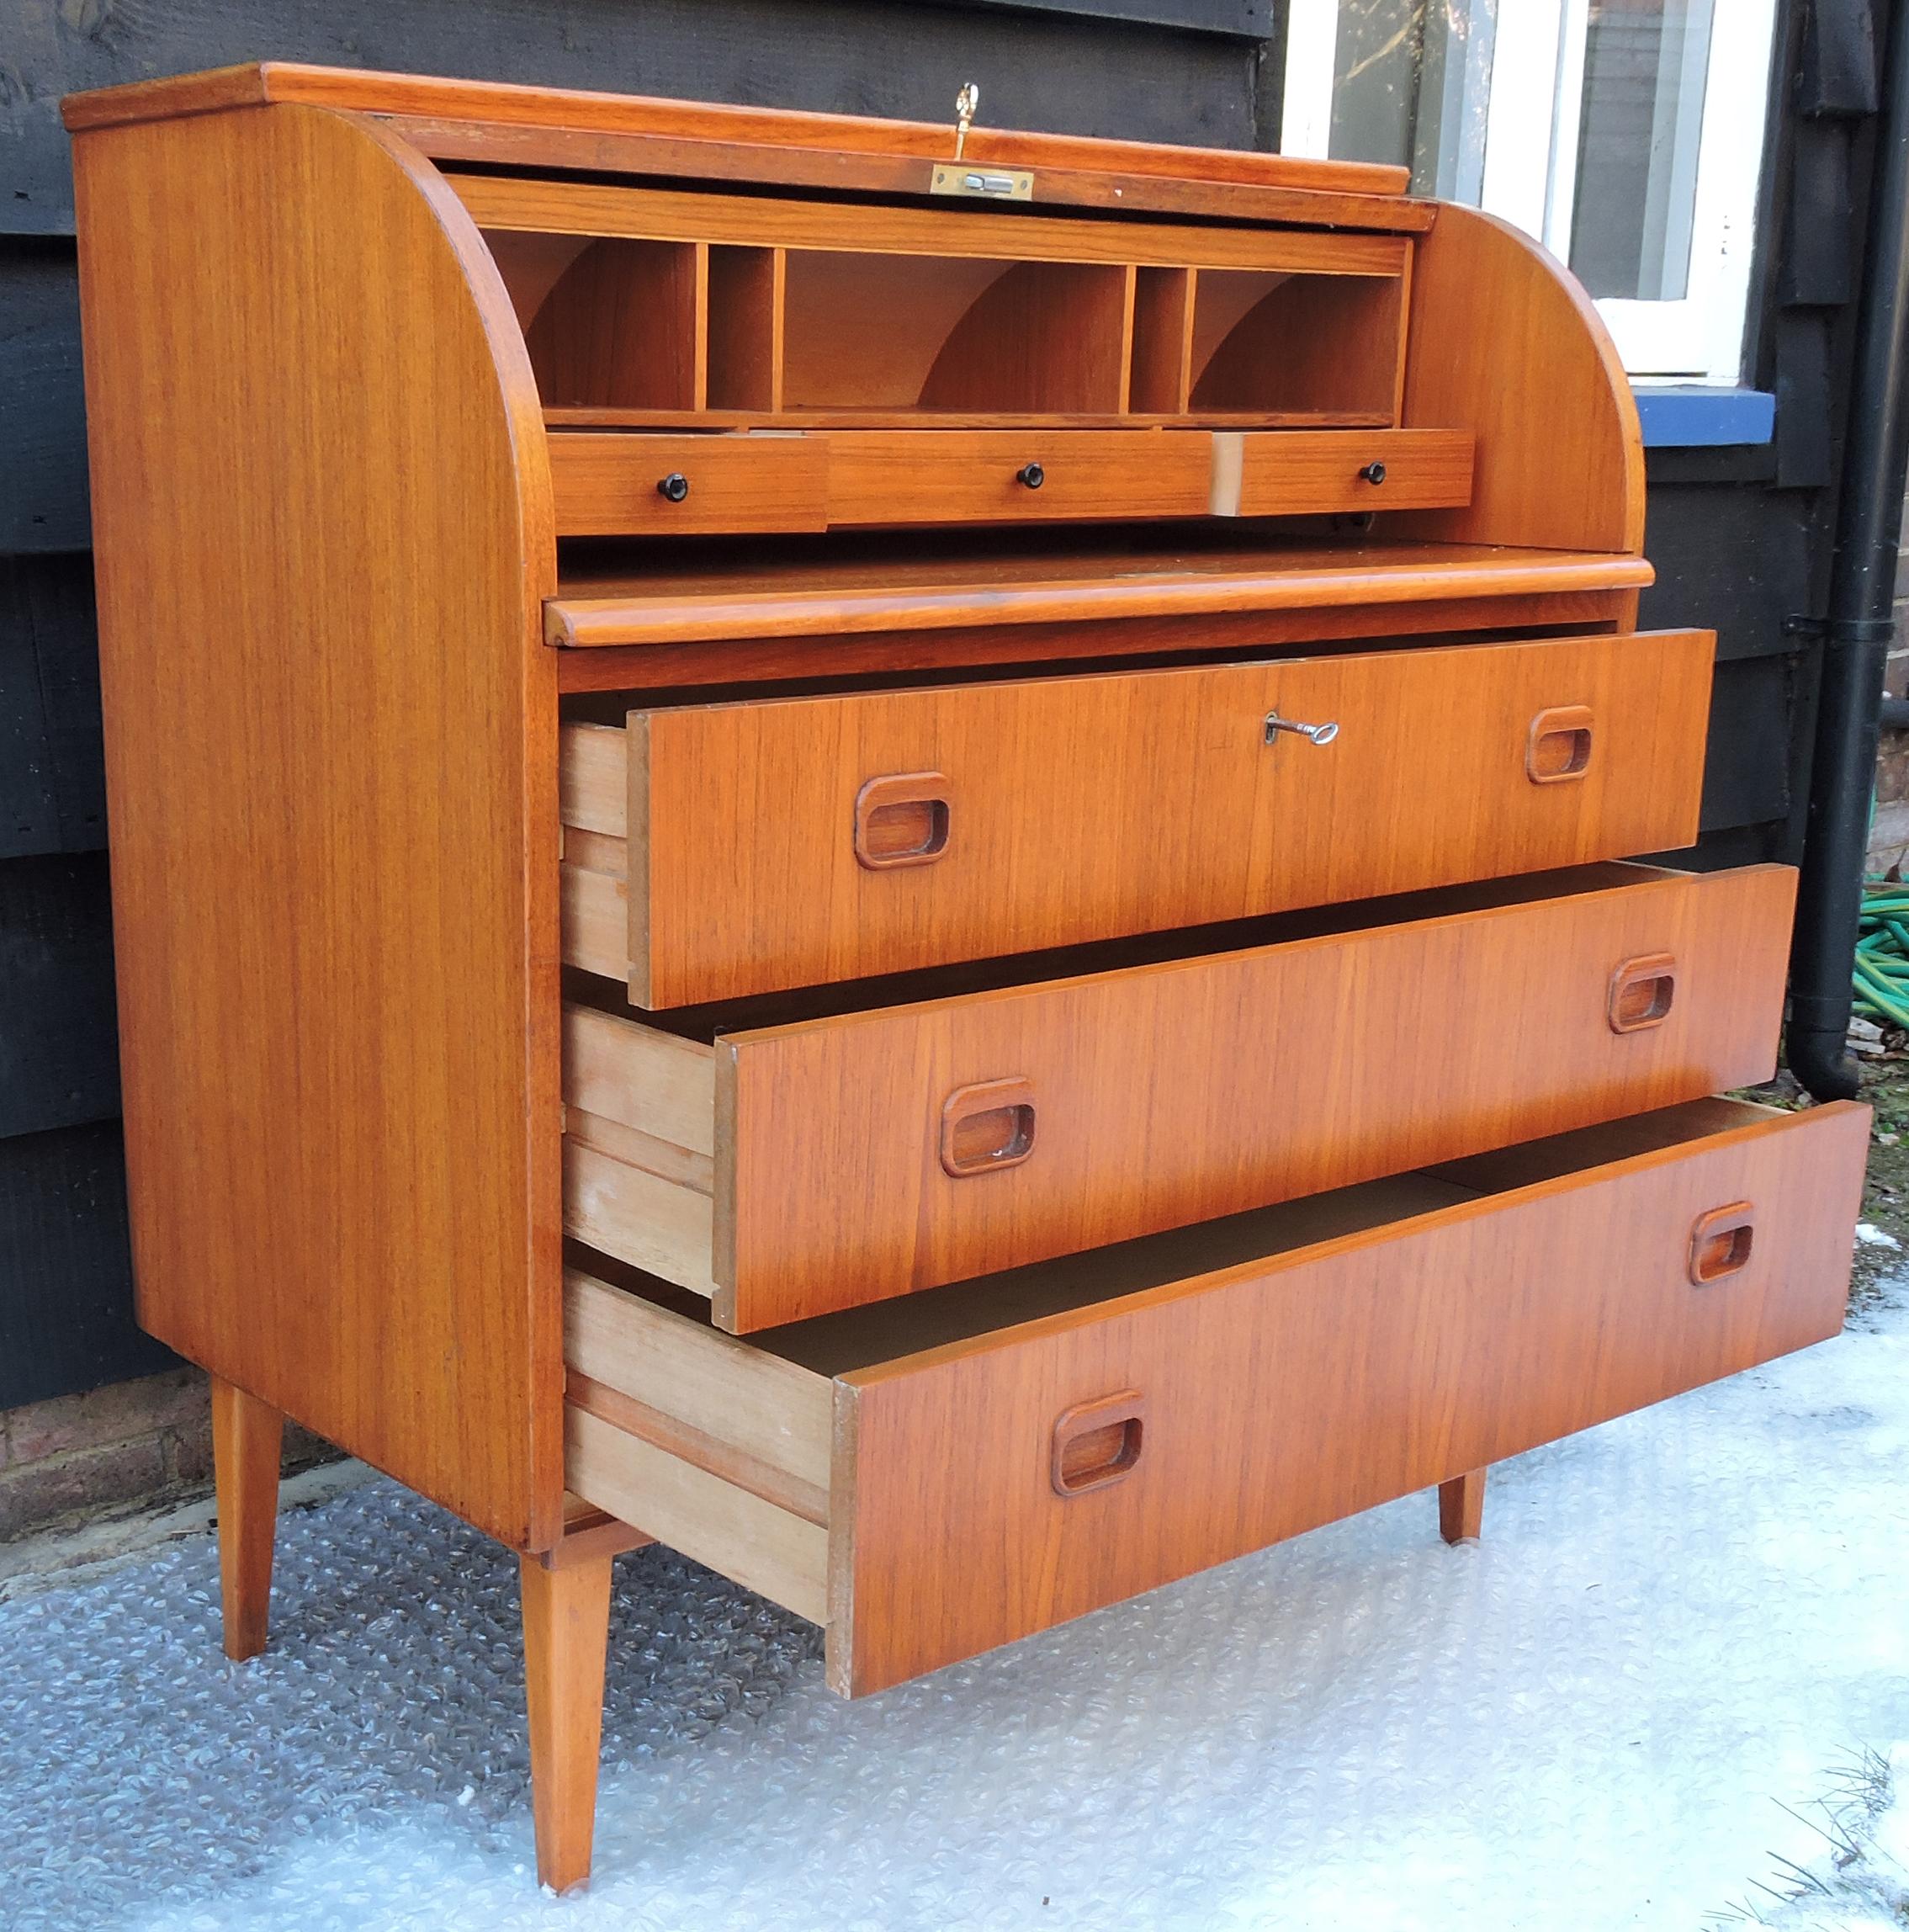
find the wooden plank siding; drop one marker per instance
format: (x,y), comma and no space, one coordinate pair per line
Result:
(52,784)
(1091,68)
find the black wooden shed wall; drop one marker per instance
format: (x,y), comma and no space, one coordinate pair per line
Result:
(1742,537)
(1167,70)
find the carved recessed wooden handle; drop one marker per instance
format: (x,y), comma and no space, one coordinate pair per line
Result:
(902,818)
(1098,1442)
(1559,744)
(987,1127)
(1720,1242)
(1642,991)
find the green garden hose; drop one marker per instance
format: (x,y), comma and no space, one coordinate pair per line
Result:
(1882,954)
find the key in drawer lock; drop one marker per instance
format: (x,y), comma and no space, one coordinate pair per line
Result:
(1291,727)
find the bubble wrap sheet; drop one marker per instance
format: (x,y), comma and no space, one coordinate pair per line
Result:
(1584,1721)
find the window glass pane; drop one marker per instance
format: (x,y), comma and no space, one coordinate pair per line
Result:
(1644,65)
(1376,80)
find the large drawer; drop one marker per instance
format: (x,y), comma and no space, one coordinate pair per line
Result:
(843,1157)
(715,850)
(929,1483)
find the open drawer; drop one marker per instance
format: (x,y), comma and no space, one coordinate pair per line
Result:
(838,1147)
(947,1472)
(716,850)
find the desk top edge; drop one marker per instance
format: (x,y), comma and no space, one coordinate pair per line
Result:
(262,83)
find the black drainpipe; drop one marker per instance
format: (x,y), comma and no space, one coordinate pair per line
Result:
(1857,629)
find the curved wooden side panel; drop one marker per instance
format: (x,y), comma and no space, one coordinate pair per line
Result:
(1495,321)
(322,504)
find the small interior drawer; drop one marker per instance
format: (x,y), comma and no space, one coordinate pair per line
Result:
(1019,475)
(1301,472)
(949,1471)
(629,484)
(789,842)
(643,483)
(788,1157)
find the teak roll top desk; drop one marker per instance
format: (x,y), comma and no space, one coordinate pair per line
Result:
(905,867)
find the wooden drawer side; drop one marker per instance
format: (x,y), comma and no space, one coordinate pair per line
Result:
(1282,1395)
(639,1145)
(719,1523)
(718,1450)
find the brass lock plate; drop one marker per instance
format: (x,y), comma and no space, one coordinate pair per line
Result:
(984,183)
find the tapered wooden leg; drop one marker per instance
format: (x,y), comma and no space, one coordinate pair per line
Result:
(247,1439)
(566,1629)
(1461,1507)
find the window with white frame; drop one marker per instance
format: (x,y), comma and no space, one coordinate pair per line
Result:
(1626,135)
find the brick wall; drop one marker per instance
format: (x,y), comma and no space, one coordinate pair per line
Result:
(132,1442)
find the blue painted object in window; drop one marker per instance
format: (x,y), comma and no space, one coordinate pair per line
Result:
(1690,415)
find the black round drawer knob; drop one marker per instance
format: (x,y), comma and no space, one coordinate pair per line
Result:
(675,486)
(1374,473)
(1032,474)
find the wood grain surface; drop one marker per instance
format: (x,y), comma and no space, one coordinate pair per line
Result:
(1242,1079)
(1502,341)
(1045,336)
(1284,1394)
(932,475)
(1461,1507)
(1312,342)
(503,203)
(1162,377)
(1107,188)
(1085,644)
(1170,808)
(1302,472)
(324,536)
(370,92)
(247,1441)
(566,1626)
(606,482)
(612,485)
(603,608)
(625,325)
(747,292)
